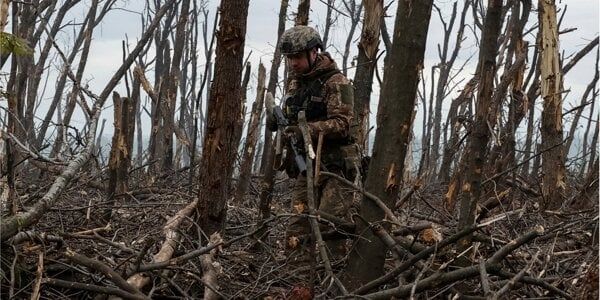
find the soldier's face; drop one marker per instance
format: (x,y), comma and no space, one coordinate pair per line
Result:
(298,62)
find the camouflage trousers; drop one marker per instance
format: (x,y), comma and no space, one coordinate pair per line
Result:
(331,197)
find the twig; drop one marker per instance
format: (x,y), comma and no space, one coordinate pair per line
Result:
(508,286)
(535,281)
(35,295)
(485,284)
(95,230)
(93,288)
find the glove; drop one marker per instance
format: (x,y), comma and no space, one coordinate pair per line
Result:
(293,131)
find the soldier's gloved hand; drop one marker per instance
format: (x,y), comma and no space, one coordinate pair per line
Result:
(293,130)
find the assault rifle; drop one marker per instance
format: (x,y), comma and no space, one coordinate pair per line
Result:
(282,122)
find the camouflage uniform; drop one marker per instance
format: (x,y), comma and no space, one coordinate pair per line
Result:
(325,94)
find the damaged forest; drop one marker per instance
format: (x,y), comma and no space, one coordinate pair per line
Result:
(137,163)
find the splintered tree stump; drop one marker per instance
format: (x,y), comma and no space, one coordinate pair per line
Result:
(120,152)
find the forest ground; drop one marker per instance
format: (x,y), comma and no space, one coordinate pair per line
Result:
(565,256)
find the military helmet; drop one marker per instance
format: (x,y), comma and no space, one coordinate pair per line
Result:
(299,38)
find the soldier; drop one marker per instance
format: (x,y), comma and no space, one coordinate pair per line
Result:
(317,86)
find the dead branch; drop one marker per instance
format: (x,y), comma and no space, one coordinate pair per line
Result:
(93,288)
(104,269)
(35,295)
(310,193)
(440,279)
(417,257)
(210,276)
(172,236)
(388,212)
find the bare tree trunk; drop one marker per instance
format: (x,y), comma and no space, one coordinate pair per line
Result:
(12,156)
(485,118)
(219,148)
(239,126)
(456,122)
(3,13)
(272,85)
(251,137)
(159,109)
(120,153)
(84,36)
(354,11)
(553,160)
(328,23)
(587,132)
(594,146)
(579,111)
(392,136)
(445,67)
(365,66)
(171,90)
(34,78)
(72,97)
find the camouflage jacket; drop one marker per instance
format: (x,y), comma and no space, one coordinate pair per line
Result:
(329,109)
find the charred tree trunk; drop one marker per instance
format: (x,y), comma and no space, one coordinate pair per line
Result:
(219,148)
(553,160)
(251,137)
(394,118)
(365,66)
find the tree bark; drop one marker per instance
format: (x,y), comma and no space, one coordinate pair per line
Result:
(394,116)
(219,148)
(365,67)
(485,117)
(120,153)
(553,161)
(172,83)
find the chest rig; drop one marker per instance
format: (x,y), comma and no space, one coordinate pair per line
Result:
(308,98)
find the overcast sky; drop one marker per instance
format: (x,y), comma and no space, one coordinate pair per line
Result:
(105,55)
